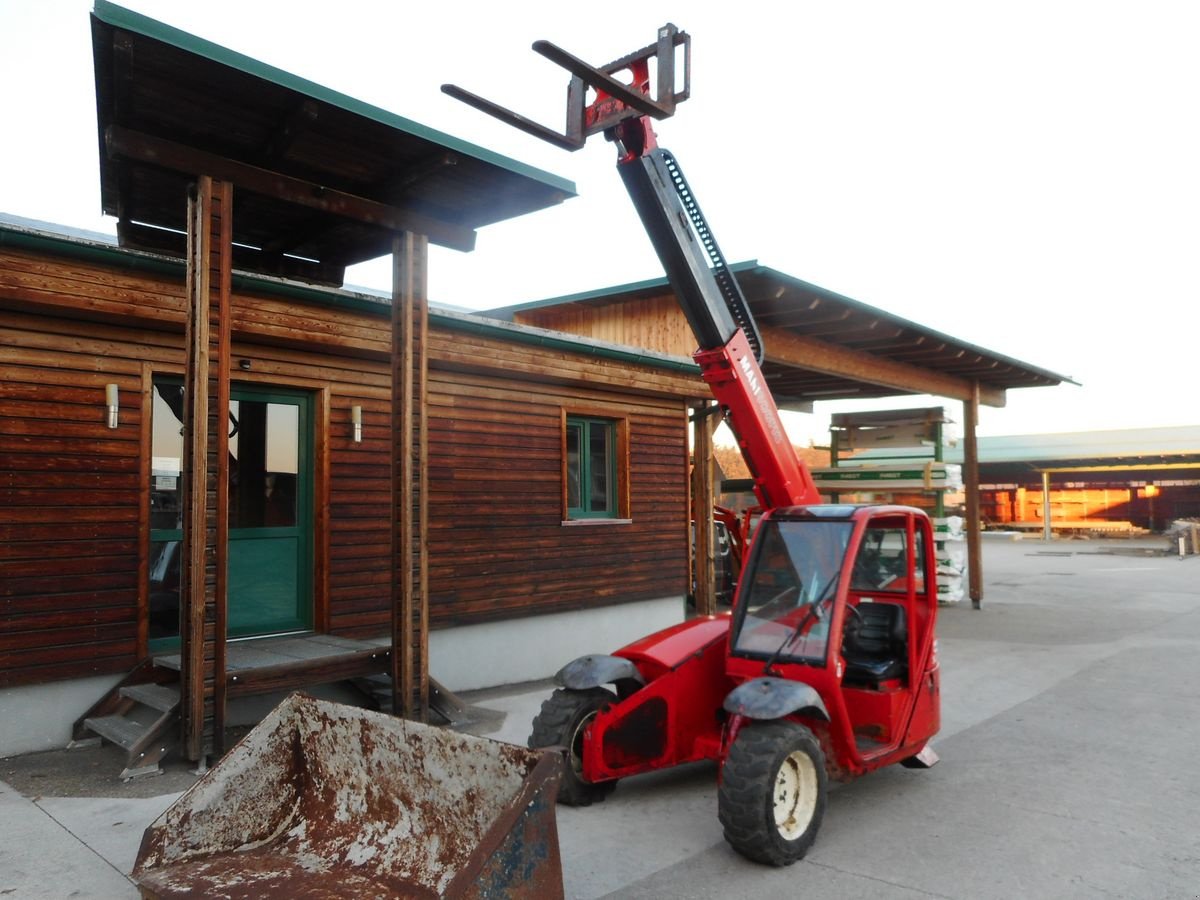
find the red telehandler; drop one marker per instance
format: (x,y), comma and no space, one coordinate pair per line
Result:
(826,666)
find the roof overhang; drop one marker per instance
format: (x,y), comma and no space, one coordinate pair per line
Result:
(820,345)
(321,180)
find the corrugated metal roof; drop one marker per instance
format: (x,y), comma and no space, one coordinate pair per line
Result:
(159,89)
(1133,446)
(1142,449)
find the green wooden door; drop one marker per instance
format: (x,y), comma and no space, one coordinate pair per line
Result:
(270,513)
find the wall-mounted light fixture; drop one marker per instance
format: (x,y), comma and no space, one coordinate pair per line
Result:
(111,400)
(356,418)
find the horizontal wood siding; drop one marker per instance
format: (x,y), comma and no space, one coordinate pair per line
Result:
(72,525)
(69,500)
(654,324)
(498,547)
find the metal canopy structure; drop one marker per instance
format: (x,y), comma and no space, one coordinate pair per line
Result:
(821,345)
(324,180)
(1091,455)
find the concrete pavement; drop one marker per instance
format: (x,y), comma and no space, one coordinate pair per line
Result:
(1070,721)
(58,847)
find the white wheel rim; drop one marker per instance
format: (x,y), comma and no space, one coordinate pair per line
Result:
(576,749)
(795,796)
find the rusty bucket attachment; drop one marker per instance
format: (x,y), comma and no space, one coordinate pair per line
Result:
(327,800)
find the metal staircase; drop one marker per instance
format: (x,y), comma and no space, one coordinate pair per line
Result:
(446,708)
(139,715)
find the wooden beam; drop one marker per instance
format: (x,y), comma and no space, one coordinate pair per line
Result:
(702,506)
(268,260)
(971,483)
(1047,510)
(294,125)
(290,676)
(420,278)
(398,185)
(782,346)
(195,475)
(145,467)
(221,308)
(1139,466)
(205,467)
(410,342)
(123,142)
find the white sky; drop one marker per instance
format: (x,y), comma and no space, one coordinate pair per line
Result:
(1021,175)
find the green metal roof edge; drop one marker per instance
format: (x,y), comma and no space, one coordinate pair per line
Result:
(600,293)
(120,17)
(96,250)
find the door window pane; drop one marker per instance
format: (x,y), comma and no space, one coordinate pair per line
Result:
(882,563)
(166,507)
(268,553)
(919,564)
(164,589)
(166,453)
(264,456)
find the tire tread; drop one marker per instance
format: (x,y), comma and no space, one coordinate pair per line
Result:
(746,780)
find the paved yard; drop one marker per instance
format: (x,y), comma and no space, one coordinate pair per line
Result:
(1071,714)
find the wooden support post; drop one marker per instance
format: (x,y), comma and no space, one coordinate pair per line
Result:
(971,483)
(1047,512)
(206,468)
(410,609)
(145,454)
(703,499)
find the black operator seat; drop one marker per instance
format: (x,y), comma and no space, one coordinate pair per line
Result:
(875,645)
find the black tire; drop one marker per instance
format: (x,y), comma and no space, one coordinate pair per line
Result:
(772,794)
(561,723)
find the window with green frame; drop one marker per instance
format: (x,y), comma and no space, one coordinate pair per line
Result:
(591,467)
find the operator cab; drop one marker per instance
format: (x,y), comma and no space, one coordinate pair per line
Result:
(790,585)
(842,598)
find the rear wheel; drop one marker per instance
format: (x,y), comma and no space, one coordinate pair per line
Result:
(561,723)
(772,793)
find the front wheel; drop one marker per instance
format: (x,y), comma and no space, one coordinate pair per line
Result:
(772,793)
(561,723)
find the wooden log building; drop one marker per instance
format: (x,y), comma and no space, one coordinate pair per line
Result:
(205,442)
(91,536)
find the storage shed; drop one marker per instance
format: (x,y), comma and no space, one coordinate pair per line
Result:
(1117,482)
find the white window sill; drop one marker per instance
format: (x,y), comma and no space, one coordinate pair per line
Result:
(573,522)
